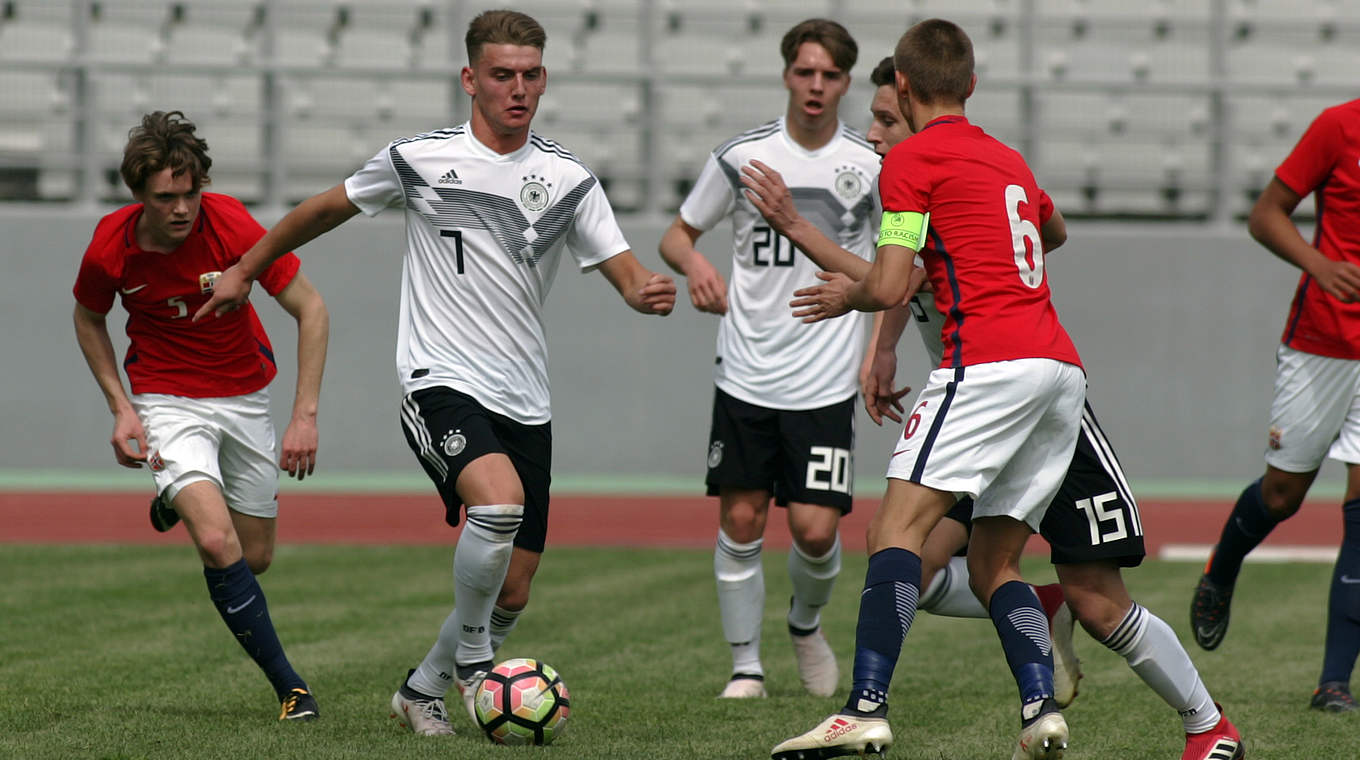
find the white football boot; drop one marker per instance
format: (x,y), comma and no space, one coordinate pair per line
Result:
(817,667)
(1043,737)
(1066,666)
(467,688)
(744,687)
(837,736)
(425,717)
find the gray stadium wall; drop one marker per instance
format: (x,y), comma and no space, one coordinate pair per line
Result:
(1177,326)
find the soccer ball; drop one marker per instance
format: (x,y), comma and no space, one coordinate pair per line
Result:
(522,701)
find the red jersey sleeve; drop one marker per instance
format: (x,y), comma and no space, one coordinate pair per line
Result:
(1045,207)
(100,270)
(903,184)
(1312,160)
(240,231)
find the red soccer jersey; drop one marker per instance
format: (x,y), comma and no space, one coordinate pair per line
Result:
(1327,161)
(169,353)
(983,253)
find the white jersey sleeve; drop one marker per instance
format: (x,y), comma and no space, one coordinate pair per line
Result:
(711,199)
(375,186)
(595,236)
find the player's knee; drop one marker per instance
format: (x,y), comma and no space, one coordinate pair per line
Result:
(1098,615)
(816,541)
(743,525)
(1283,502)
(218,548)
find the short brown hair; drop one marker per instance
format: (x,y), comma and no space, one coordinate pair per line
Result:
(164,140)
(825,32)
(883,73)
(936,57)
(503,27)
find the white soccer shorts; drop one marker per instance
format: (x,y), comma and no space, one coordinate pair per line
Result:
(1315,413)
(228,441)
(1001,432)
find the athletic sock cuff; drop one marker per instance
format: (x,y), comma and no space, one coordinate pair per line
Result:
(893,564)
(496,522)
(1129,632)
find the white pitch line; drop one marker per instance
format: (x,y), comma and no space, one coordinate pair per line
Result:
(1200,553)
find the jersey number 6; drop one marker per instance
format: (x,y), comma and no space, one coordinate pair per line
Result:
(1022,231)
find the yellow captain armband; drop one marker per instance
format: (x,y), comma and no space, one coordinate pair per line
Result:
(904,228)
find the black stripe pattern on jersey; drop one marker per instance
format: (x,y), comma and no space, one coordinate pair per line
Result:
(501,217)
(819,205)
(764,130)
(855,137)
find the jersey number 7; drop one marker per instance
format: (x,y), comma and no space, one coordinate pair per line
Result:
(457,236)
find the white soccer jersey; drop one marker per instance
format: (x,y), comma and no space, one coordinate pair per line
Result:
(929,321)
(765,356)
(483,236)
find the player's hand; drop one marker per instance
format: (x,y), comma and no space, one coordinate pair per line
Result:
(127,429)
(707,289)
(880,400)
(916,283)
(298,457)
(230,291)
(766,190)
(1340,280)
(824,301)
(657,295)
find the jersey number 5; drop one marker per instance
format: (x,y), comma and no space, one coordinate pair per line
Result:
(1023,231)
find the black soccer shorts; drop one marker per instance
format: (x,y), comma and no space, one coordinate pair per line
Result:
(447,430)
(1094,516)
(801,457)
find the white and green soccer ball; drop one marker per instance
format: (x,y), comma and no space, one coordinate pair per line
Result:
(522,701)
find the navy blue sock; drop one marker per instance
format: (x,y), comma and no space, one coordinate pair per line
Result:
(887,606)
(1247,526)
(240,601)
(1023,628)
(1343,607)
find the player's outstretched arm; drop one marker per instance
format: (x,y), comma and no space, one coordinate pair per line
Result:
(766,190)
(312,218)
(645,291)
(1269,223)
(92,333)
(707,290)
(892,281)
(300,439)
(876,384)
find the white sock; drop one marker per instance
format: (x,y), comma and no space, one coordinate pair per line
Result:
(948,594)
(502,623)
(479,566)
(813,579)
(1156,655)
(434,675)
(741,600)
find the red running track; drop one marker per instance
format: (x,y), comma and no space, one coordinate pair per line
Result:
(576,520)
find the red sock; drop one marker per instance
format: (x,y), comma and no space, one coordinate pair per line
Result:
(1050,596)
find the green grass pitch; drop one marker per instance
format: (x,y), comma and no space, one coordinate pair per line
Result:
(115,653)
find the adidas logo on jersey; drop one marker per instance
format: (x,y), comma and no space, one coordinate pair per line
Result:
(450,178)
